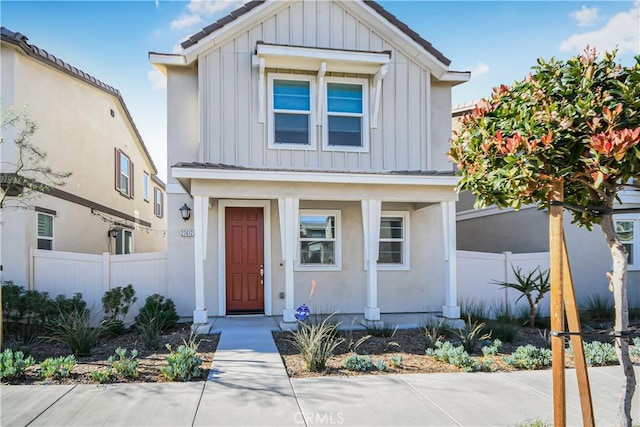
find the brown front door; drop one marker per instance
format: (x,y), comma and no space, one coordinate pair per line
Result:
(244,234)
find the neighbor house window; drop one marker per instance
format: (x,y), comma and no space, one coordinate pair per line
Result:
(345,120)
(393,248)
(124,174)
(45,231)
(158,202)
(145,186)
(319,240)
(628,233)
(124,242)
(291,118)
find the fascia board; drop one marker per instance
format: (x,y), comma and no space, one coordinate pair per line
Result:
(312,177)
(394,34)
(229,30)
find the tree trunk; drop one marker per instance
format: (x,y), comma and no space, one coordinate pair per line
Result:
(619,283)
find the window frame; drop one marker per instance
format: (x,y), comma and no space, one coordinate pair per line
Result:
(406,256)
(364,82)
(128,192)
(47,238)
(145,185)
(123,232)
(158,202)
(634,261)
(271,131)
(337,247)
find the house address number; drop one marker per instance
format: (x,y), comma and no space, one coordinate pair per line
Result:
(187,233)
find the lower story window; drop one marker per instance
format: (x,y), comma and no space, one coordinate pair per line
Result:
(319,241)
(45,231)
(124,242)
(393,249)
(628,231)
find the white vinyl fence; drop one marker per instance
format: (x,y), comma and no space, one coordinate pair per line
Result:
(92,275)
(476,272)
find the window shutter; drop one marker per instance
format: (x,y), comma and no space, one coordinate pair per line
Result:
(117,167)
(161,213)
(155,200)
(132,174)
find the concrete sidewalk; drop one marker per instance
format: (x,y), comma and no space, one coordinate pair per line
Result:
(248,386)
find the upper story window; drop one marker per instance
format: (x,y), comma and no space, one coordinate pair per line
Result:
(45,231)
(291,118)
(319,240)
(124,174)
(628,232)
(145,186)
(345,122)
(158,199)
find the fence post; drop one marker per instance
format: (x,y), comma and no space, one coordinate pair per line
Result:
(507,264)
(106,271)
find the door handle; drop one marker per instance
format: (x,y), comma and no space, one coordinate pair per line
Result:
(261,271)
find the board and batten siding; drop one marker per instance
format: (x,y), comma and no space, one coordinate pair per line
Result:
(228,85)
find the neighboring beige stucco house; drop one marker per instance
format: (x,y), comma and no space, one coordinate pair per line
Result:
(85,128)
(309,138)
(527,230)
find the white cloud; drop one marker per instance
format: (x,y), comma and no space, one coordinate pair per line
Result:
(620,31)
(585,16)
(157,79)
(157,4)
(199,10)
(480,69)
(185,21)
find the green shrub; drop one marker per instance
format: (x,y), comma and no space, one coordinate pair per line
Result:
(380,329)
(635,349)
(475,309)
(116,303)
(396,360)
(184,363)
(12,305)
(65,305)
(103,375)
(433,332)
(316,343)
(74,329)
(598,308)
(453,355)
(57,366)
(529,357)
(149,330)
(12,365)
(505,332)
(359,363)
(471,335)
(492,348)
(597,353)
(125,366)
(162,309)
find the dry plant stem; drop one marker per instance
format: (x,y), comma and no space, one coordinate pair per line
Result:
(619,282)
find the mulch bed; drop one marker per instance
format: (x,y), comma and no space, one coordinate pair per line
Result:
(150,360)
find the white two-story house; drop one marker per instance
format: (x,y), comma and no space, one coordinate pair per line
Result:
(308,138)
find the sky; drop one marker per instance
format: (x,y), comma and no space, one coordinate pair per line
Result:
(498,41)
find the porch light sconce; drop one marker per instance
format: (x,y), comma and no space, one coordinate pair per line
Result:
(185,212)
(113,233)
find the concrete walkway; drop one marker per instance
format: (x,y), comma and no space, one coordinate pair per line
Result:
(248,386)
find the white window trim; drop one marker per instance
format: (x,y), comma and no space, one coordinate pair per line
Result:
(125,191)
(158,202)
(365,114)
(337,246)
(39,237)
(125,230)
(405,242)
(271,113)
(145,186)
(634,264)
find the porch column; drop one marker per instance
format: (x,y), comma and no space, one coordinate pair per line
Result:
(288,212)
(200,221)
(371,211)
(451,309)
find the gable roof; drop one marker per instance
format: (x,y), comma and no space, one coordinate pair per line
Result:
(247,7)
(20,40)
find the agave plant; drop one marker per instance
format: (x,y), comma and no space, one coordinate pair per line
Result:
(528,284)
